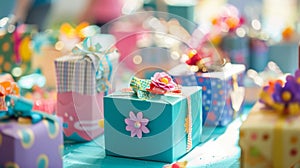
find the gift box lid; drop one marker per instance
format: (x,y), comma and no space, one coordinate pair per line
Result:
(261,117)
(227,71)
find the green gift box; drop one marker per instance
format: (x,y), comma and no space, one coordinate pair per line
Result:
(15,51)
(170,125)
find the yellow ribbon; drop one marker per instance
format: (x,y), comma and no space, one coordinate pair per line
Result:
(189,124)
(278,143)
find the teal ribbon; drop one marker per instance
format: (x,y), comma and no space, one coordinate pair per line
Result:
(103,66)
(21,107)
(140,86)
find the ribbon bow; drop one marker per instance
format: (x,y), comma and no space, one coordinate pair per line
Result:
(283,98)
(21,107)
(160,83)
(100,60)
(140,86)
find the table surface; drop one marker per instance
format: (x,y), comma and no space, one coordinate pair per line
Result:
(219,148)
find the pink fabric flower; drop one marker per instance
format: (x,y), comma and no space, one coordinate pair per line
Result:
(136,124)
(163,81)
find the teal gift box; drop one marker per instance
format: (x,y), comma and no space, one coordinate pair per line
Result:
(173,128)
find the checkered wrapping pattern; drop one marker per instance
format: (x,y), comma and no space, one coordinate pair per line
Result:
(78,73)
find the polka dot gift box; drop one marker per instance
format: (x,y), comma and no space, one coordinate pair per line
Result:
(222,92)
(29,138)
(270,136)
(15,51)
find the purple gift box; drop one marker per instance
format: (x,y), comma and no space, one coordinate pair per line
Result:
(222,93)
(31,145)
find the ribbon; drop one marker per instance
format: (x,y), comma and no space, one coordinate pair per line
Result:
(7,87)
(19,107)
(160,84)
(278,143)
(140,86)
(277,158)
(101,61)
(189,124)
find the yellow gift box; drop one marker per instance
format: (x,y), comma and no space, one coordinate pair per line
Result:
(269,140)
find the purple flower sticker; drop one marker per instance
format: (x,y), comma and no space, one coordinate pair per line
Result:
(136,124)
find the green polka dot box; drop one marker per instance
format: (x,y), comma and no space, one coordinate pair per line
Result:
(15,51)
(27,144)
(222,91)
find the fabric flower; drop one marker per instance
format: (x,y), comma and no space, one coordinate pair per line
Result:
(163,81)
(284,98)
(136,124)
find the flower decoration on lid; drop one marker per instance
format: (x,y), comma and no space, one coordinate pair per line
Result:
(199,59)
(284,98)
(202,60)
(160,83)
(229,19)
(136,124)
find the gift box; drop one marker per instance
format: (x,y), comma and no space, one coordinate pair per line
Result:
(222,95)
(170,125)
(268,139)
(237,49)
(35,142)
(269,136)
(285,54)
(43,99)
(16,52)
(82,80)
(258,54)
(44,61)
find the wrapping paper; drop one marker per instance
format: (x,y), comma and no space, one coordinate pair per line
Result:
(16,50)
(81,83)
(167,140)
(217,92)
(81,114)
(269,140)
(31,145)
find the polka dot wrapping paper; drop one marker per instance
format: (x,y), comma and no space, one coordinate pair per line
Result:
(37,145)
(269,140)
(217,89)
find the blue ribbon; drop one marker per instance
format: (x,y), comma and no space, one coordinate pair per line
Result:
(21,107)
(103,68)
